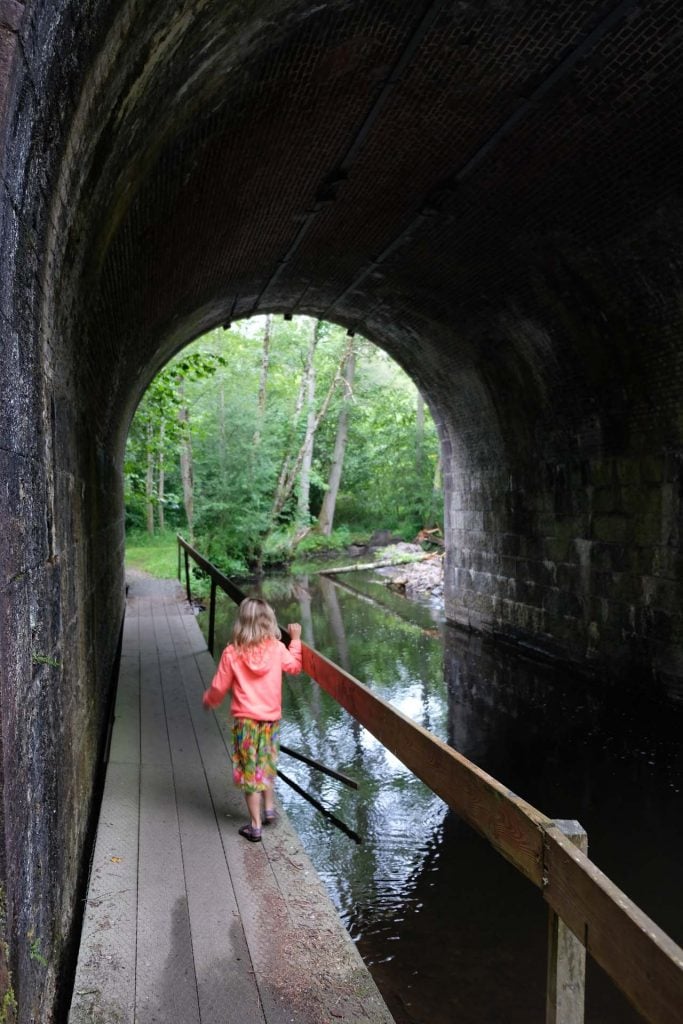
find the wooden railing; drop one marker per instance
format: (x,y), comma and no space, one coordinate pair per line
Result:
(644,963)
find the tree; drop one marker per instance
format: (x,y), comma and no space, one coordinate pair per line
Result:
(286,484)
(161,431)
(263,380)
(303,504)
(326,517)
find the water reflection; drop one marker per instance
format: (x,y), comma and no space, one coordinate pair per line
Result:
(449,929)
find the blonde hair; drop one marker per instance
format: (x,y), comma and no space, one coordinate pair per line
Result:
(255,623)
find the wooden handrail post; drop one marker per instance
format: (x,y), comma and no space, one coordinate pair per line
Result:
(179,564)
(566,981)
(212,615)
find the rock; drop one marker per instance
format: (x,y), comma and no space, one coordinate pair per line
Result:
(382,538)
(419,579)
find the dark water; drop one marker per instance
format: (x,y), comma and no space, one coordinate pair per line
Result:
(449,930)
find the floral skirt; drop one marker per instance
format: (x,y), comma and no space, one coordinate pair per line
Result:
(256,748)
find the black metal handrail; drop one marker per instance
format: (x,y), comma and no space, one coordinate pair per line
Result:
(218,579)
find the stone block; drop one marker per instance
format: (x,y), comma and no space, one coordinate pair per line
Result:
(606,499)
(651,469)
(556,549)
(614,529)
(628,471)
(602,473)
(511,544)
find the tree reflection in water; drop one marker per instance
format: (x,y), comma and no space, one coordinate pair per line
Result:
(448,928)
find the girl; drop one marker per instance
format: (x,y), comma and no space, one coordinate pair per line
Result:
(251,666)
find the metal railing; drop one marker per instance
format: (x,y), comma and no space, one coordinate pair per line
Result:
(586,908)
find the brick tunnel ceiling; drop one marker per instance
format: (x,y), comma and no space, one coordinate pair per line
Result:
(375,164)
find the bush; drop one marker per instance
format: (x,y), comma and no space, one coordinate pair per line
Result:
(316,542)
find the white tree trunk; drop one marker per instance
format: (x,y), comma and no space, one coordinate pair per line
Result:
(149,481)
(326,517)
(288,476)
(303,502)
(419,435)
(263,380)
(186,468)
(162,479)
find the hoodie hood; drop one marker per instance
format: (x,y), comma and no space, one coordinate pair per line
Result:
(259,658)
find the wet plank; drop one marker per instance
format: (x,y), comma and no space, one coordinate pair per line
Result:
(104,988)
(166,986)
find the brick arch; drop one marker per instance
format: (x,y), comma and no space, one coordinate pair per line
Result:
(488,191)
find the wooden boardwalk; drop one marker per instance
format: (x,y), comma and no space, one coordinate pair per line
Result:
(185,921)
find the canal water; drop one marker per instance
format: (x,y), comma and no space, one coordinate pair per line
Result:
(449,930)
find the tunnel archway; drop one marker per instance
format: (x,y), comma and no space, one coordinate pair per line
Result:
(489,192)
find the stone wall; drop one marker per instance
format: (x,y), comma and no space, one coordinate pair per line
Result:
(580,559)
(61,586)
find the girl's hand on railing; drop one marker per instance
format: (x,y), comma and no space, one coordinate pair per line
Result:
(294,630)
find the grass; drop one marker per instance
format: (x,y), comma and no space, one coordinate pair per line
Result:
(157,555)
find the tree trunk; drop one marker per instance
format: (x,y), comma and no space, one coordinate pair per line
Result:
(149,481)
(419,436)
(281,492)
(328,590)
(360,566)
(326,517)
(263,380)
(288,479)
(222,434)
(186,469)
(162,479)
(303,514)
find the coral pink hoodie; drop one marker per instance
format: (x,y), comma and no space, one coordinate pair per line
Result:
(255,677)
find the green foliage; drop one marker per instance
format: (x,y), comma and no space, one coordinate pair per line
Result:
(35,953)
(337,541)
(43,659)
(8,1006)
(157,555)
(156,434)
(239,449)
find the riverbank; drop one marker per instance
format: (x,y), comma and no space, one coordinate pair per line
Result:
(422,579)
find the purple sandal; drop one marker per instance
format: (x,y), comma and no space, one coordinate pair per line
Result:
(270,817)
(250,833)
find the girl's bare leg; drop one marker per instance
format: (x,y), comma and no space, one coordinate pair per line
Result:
(254,808)
(268,799)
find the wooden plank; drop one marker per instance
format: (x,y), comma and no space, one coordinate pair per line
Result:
(566,977)
(639,957)
(125,741)
(104,988)
(225,980)
(226,986)
(225,977)
(154,748)
(305,966)
(512,826)
(166,981)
